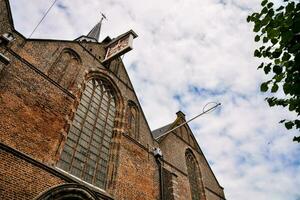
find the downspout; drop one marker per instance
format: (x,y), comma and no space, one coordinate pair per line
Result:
(158,157)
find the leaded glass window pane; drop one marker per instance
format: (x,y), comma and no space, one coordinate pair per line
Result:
(193,175)
(86,151)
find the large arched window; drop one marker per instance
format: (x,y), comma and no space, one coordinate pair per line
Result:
(86,151)
(194,176)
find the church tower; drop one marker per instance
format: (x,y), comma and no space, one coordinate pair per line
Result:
(72,127)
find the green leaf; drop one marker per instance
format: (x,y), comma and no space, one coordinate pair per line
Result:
(286,36)
(286,88)
(277,69)
(273,33)
(274,88)
(265,40)
(264,10)
(297,122)
(257,53)
(271,13)
(264,2)
(297,59)
(271,102)
(292,106)
(249,19)
(274,41)
(270,5)
(276,54)
(264,87)
(278,77)
(260,66)
(296,25)
(289,8)
(280,8)
(267,68)
(256,26)
(296,139)
(257,38)
(286,56)
(261,48)
(289,125)
(295,48)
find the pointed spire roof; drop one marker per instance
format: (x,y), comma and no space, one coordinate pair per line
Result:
(95,32)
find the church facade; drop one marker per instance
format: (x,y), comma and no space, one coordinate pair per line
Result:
(71,126)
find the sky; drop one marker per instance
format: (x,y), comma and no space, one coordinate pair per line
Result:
(189,53)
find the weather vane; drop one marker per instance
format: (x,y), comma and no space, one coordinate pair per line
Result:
(102,18)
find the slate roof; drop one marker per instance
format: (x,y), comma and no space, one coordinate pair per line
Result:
(160,131)
(95,32)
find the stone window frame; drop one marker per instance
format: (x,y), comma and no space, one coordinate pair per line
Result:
(69,191)
(52,68)
(132,106)
(194,176)
(115,64)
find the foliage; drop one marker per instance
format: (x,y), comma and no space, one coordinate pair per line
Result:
(278,32)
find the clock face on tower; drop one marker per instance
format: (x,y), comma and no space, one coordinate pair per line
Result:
(120,46)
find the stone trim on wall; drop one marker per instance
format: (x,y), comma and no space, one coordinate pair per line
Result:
(215,193)
(68,191)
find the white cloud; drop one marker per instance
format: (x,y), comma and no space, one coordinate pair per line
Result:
(201,46)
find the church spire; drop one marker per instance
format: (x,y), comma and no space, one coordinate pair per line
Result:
(95,32)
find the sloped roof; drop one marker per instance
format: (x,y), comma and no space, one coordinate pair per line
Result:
(95,32)
(160,131)
(159,136)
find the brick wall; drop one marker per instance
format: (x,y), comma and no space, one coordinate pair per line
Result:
(137,176)
(21,180)
(4,17)
(173,149)
(32,111)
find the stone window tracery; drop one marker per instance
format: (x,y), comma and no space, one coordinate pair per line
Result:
(86,151)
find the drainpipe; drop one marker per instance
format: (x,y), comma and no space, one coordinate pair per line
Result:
(158,157)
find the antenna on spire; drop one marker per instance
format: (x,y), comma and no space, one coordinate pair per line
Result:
(102,18)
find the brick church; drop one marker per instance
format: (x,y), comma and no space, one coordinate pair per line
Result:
(71,126)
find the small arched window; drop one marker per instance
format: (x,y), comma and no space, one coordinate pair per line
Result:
(194,176)
(115,65)
(86,151)
(65,69)
(185,134)
(132,118)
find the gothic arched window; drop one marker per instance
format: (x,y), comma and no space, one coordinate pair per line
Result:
(194,176)
(132,120)
(115,64)
(65,69)
(86,151)
(185,134)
